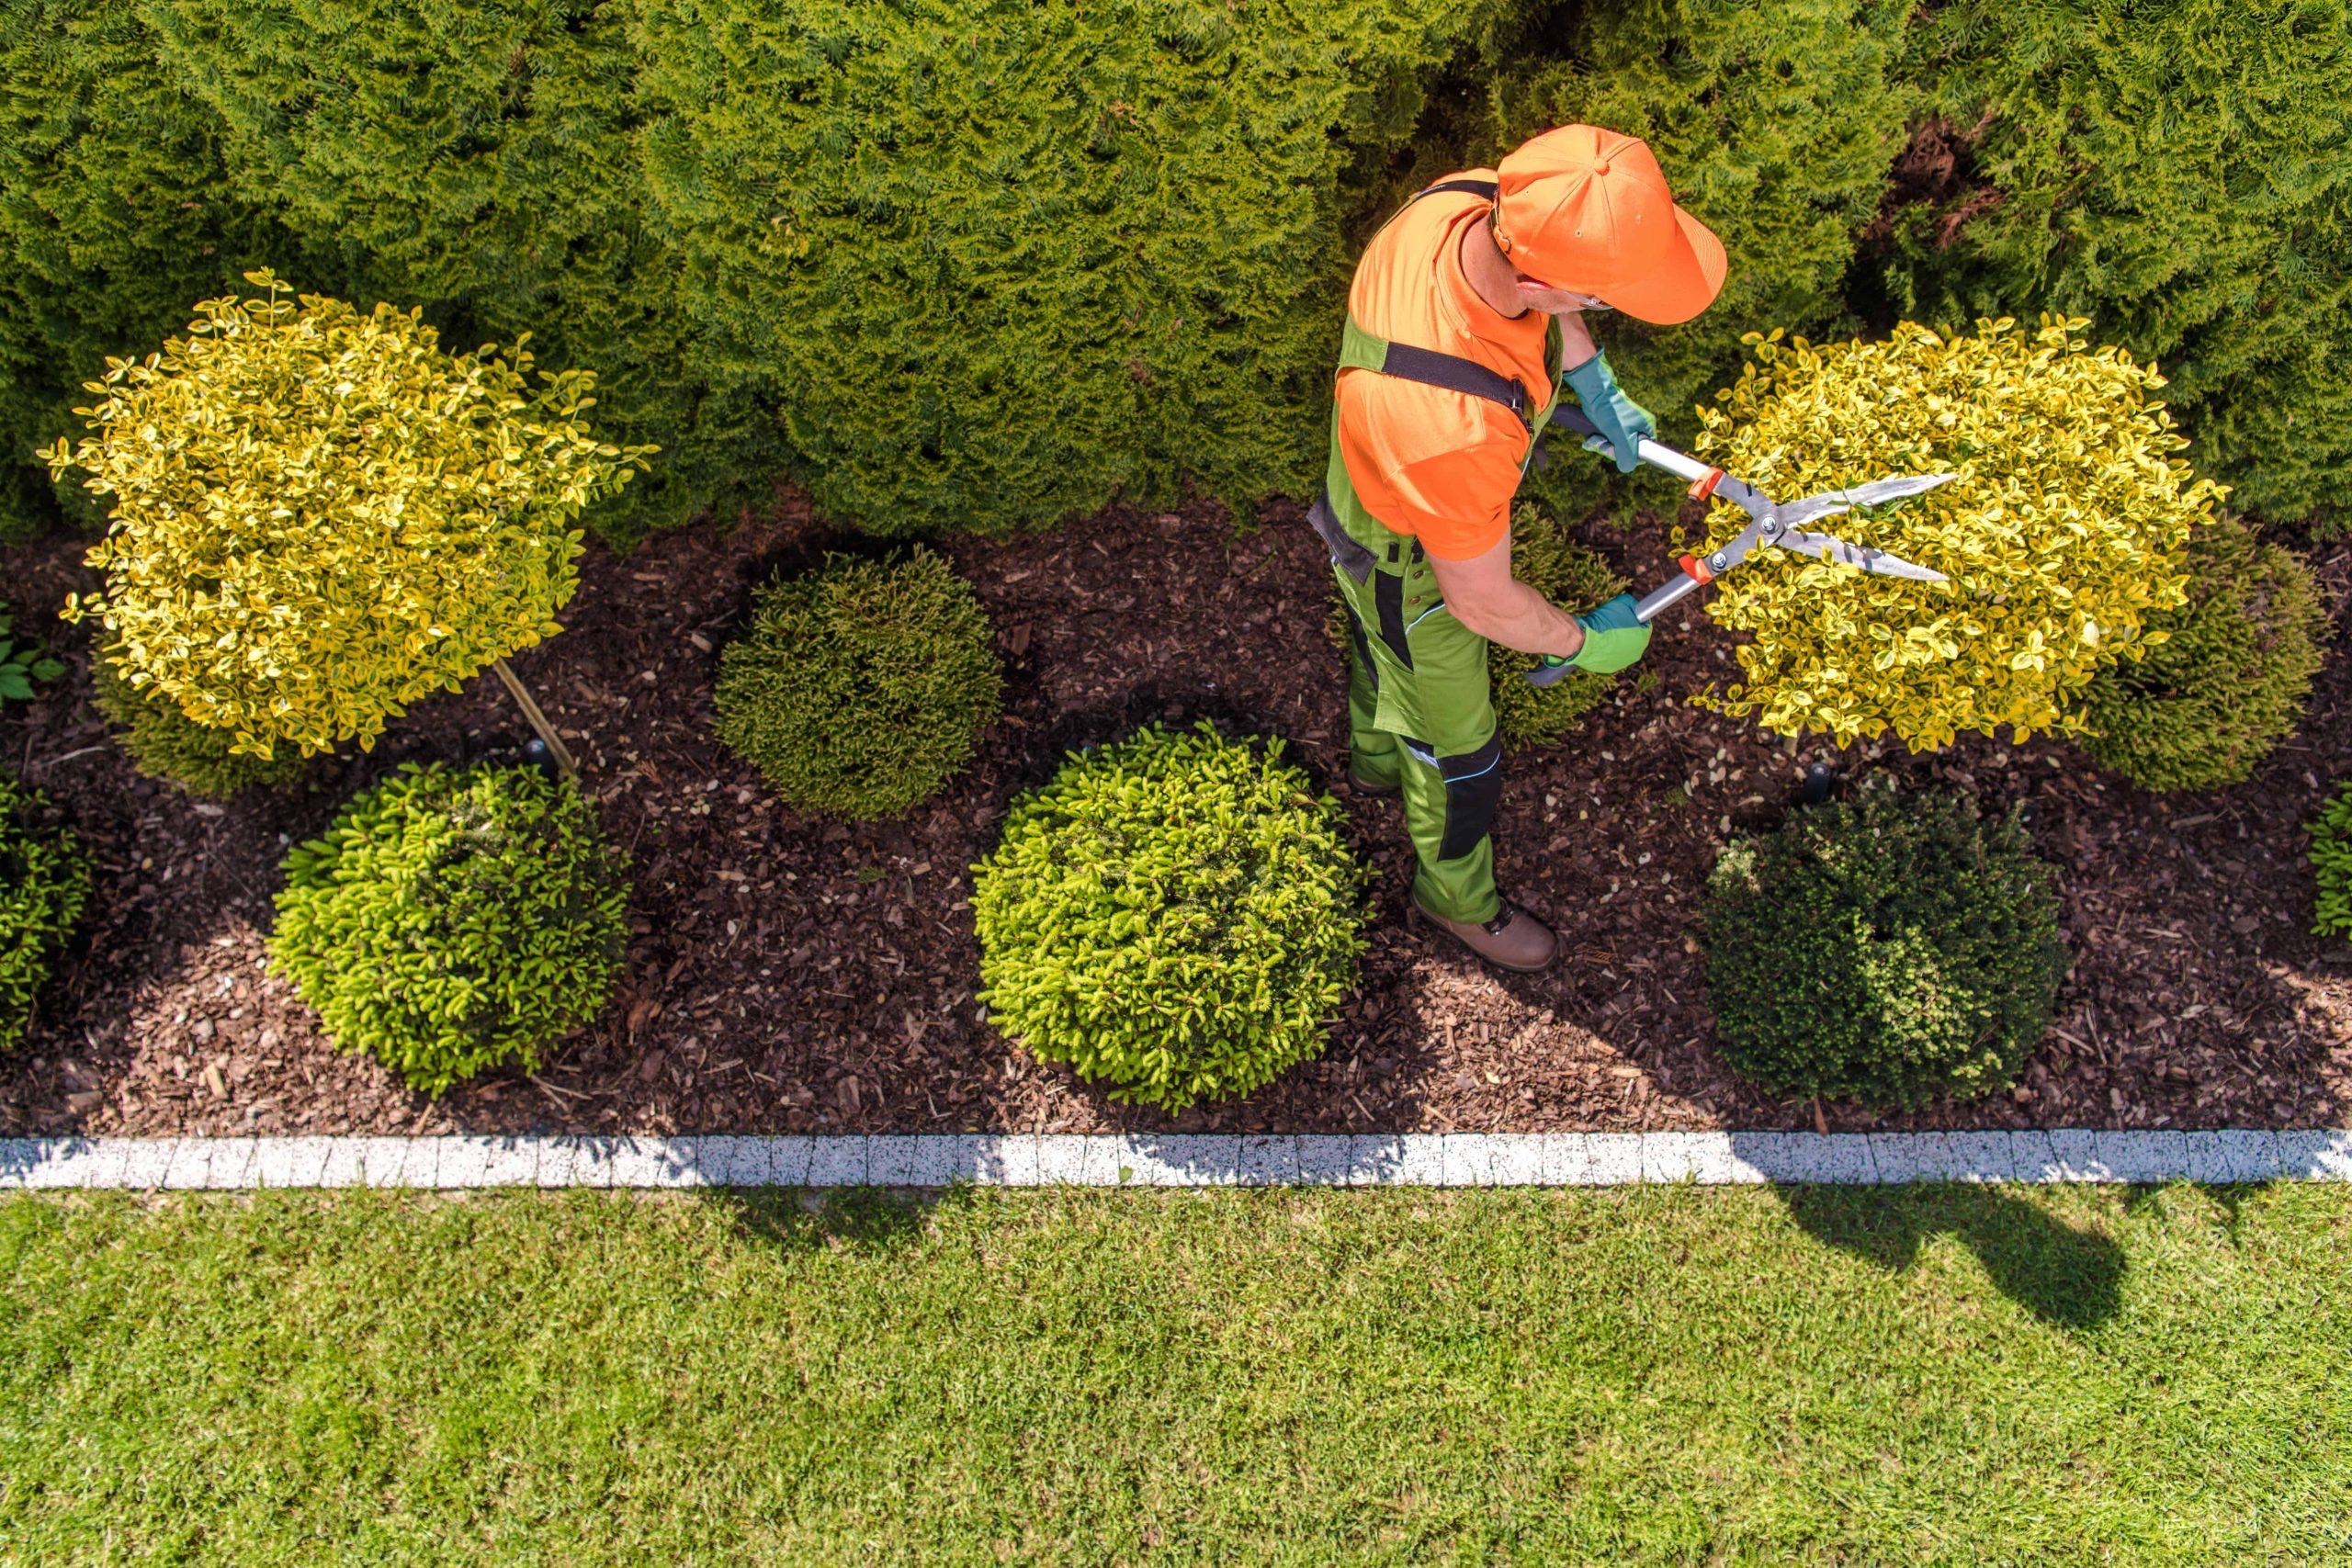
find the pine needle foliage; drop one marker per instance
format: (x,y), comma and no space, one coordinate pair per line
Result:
(454,919)
(2180,173)
(1003,260)
(1176,914)
(2332,866)
(2060,535)
(861,687)
(1572,577)
(1892,949)
(44,883)
(482,160)
(320,516)
(2200,709)
(115,211)
(164,743)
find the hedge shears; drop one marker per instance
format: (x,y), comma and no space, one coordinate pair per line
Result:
(1770,522)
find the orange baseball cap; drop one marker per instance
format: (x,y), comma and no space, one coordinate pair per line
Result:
(1588,209)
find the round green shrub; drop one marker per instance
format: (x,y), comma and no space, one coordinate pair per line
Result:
(1546,559)
(164,743)
(1175,915)
(1891,950)
(2200,708)
(862,686)
(451,919)
(2332,862)
(44,881)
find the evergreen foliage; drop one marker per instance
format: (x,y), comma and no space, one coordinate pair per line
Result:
(1892,949)
(860,687)
(451,919)
(2061,533)
(1572,577)
(2200,709)
(1176,914)
(481,158)
(44,881)
(164,743)
(1001,261)
(320,516)
(2180,173)
(2332,866)
(115,212)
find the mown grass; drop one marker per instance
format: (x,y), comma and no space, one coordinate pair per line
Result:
(1928,1375)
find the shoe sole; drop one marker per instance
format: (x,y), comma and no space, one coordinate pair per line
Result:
(1361,787)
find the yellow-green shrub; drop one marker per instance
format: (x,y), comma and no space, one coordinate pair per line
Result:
(164,743)
(2064,530)
(321,516)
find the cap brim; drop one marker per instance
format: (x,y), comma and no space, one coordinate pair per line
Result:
(1685,282)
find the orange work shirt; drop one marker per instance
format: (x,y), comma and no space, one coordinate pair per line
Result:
(1439,466)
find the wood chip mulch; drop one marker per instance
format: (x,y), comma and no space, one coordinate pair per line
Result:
(792,974)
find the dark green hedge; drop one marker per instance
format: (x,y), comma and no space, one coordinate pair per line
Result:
(2179,173)
(990,262)
(1003,260)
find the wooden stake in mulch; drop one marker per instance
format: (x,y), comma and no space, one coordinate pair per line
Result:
(564,764)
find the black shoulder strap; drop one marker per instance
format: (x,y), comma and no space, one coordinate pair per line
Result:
(1451,372)
(1454,374)
(1486,189)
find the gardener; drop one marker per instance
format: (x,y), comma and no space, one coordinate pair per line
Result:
(1446,374)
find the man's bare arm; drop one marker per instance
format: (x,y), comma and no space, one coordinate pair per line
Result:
(1487,599)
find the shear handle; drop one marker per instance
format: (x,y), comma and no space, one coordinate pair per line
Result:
(1570,417)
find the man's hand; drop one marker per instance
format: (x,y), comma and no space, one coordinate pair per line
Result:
(1614,636)
(1623,423)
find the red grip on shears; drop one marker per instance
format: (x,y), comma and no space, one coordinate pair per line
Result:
(1704,486)
(1696,570)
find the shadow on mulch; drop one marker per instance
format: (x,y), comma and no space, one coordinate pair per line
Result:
(2070,1278)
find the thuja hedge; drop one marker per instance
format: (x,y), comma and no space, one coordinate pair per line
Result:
(986,265)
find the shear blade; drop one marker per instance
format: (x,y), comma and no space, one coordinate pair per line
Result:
(1829,547)
(1830,502)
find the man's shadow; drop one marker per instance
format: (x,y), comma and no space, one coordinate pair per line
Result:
(2068,1277)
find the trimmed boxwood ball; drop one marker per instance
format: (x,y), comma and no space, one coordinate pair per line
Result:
(2202,707)
(1891,950)
(44,883)
(862,686)
(164,743)
(1175,915)
(454,919)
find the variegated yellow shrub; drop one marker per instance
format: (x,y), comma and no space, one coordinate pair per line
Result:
(2065,527)
(321,516)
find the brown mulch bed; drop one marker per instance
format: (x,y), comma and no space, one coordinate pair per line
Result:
(791,974)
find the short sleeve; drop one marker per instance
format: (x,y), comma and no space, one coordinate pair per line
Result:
(1430,464)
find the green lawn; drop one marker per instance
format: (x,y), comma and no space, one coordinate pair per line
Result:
(1671,1375)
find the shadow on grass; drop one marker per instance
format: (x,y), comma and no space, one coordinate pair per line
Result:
(862,1220)
(2064,1275)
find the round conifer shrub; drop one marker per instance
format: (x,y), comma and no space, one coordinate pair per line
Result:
(1575,579)
(164,743)
(1889,950)
(454,919)
(2226,682)
(860,686)
(1175,915)
(44,881)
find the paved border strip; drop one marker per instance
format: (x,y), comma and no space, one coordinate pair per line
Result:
(1313,1160)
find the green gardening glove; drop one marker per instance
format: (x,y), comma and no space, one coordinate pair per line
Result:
(1622,422)
(1613,637)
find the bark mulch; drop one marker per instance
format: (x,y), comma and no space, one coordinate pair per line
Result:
(789,974)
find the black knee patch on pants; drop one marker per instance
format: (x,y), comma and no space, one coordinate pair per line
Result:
(1388,598)
(1363,647)
(1474,792)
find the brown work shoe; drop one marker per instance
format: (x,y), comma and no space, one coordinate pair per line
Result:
(1512,940)
(1366,786)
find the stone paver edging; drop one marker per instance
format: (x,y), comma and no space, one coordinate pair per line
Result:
(1024,1159)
